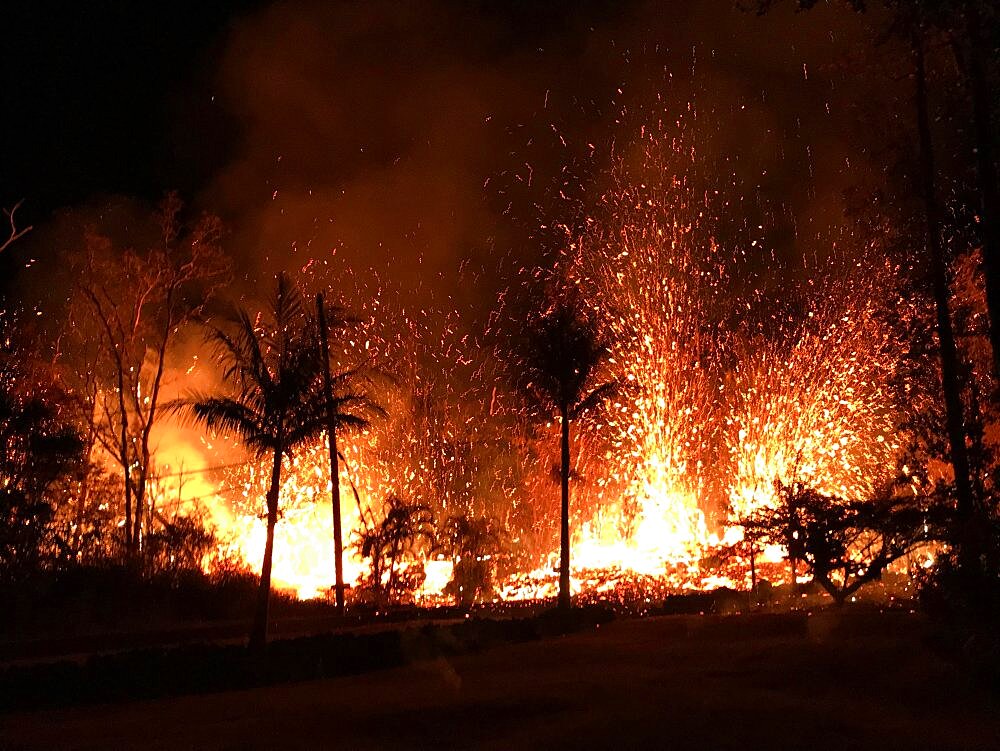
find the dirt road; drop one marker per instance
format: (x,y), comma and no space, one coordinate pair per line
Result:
(672,683)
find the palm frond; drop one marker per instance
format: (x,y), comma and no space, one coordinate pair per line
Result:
(595,398)
(287,308)
(231,416)
(560,354)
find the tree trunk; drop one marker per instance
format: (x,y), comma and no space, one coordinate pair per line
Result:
(148,420)
(839,595)
(391,585)
(338,533)
(258,634)
(793,526)
(950,382)
(564,591)
(139,500)
(986,174)
(331,433)
(123,440)
(85,481)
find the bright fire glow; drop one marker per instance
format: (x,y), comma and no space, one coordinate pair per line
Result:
(717,408)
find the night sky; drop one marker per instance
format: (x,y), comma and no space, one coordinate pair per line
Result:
(103,97)
(91,93)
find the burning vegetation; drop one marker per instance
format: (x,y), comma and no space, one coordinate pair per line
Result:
(657,404)
(691,404)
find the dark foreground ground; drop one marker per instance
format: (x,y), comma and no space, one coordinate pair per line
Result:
(823,682)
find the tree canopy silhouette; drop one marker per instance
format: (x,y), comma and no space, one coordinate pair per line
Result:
(561,356)
(275,401)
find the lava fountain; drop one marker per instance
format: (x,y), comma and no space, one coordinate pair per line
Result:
(716,410)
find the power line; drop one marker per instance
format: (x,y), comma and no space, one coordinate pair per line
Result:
(203,470)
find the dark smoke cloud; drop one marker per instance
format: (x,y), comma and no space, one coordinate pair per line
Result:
(370,128)
(427,140)
(403,134)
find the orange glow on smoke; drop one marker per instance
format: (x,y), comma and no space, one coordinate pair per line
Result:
(712,417)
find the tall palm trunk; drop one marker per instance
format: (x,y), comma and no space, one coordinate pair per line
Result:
(564,593)
(954,418)
(258,635)
(986,173)
(338,533)
(793,582)
(391,585)
(331,433)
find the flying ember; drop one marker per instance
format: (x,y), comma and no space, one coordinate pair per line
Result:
(722,399)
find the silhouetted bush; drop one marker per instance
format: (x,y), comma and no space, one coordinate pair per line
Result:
(474,546)
(392,545)
(78,598)
(963,598)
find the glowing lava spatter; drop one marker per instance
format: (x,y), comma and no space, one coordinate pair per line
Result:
(713,414)
(653,275)
(814,403)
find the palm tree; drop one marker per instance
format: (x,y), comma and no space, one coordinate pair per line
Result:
(404,529)
(345,408)
(275,402)
(561,362)
(473,543)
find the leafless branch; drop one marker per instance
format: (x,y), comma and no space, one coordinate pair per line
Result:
(15,233)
